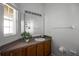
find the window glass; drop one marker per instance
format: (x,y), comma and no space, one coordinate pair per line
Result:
(9,19)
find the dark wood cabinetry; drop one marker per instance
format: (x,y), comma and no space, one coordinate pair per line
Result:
(47,48)
(38,49)
(16,52)
(31,50)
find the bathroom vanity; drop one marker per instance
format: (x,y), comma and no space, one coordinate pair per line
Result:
(32,48)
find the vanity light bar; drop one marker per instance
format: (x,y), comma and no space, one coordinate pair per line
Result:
(33,13)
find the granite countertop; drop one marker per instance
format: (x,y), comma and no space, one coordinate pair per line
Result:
(20,44)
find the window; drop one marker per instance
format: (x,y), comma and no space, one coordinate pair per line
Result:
(9,20)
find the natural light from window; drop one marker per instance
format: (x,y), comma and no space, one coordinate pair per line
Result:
(9,20)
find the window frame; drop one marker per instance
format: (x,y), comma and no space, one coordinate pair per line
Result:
(15,21)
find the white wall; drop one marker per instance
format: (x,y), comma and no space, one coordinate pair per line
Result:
(4,40)
(34,7)
(62,15)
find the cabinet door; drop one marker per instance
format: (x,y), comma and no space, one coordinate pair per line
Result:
(47,47)
(0,53)
(40,49)
(16,52)
(31,50)
(7,53)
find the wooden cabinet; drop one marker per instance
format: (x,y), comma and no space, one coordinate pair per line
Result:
(38,49)
(0,53)
(19,52)
(7,53)
(31,50)
(15,52)
(47,48)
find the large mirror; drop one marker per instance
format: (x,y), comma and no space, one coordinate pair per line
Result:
(33,23)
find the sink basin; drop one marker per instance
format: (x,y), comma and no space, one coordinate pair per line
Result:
(39,39)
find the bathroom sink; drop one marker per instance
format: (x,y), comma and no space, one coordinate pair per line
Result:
(39,39)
